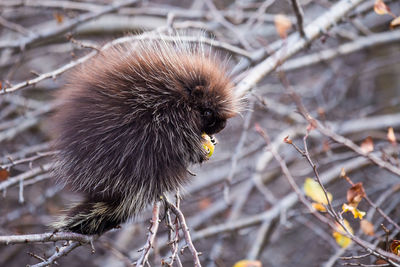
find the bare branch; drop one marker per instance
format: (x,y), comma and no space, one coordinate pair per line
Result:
(155,221)
(45,237)
(295,44)
(185,231)
(63,251)
(299,16)
(67,26)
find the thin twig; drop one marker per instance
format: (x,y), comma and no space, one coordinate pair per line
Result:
(67,26)
(72,64)
(299,16)
(155,222)
(58,254)
(185,231)
(294,44)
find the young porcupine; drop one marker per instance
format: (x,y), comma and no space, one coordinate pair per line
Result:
(130,123)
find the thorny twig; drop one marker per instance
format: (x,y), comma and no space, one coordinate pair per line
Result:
(185,231)
(155,221)
(389,257)
(68,26)
(233,18)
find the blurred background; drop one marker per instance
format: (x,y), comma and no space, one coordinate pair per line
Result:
(337,61)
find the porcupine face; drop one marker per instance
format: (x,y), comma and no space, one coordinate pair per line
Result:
(132,118)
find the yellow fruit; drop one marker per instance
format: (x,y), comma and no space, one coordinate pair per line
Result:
(208,145)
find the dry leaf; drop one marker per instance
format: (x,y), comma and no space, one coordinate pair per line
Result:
(391,136)
(282,25)
(59,17)
(248,263)
(381,8)
(343,240)
(380,262)
(204,203)
(368,145)
(287,140)
(395,247)
(367,227)
(343,173)
(321,112)
(355,194)
(394,23)
(313,190)
(4,174)
(356,213)
(326,146)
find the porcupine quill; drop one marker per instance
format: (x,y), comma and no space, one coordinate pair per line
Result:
(130,124)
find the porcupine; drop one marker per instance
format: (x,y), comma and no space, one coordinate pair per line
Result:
(131,122)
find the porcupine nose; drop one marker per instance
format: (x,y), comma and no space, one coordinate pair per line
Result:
(216,127)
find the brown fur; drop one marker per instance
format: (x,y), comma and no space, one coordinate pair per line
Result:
(131,123)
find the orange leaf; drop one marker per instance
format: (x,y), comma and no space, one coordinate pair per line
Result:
(391,136)
(4,174)
(394,23)
(318,206)
(381,8)
(282,25)
(380,262)
(355,194)
(367,227)
(368,145)
(204,203)
(248,263)
(59,17)
(287,140)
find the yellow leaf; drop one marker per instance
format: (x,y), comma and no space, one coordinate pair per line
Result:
(313,190)
(394,23)
(248,263)
(367,227)
(381,8)
(343,240)
(356,213)
(282,25)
